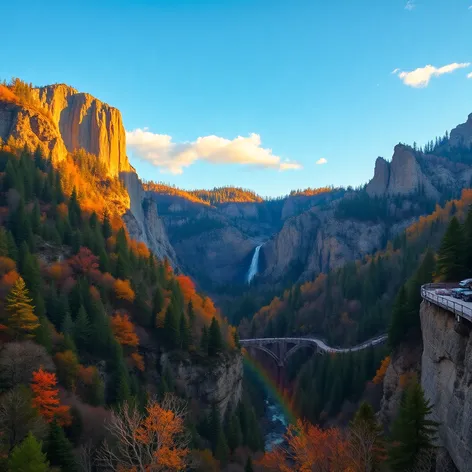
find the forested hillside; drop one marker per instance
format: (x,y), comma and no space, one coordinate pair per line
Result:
(85,314)
(216,196)
(352,304)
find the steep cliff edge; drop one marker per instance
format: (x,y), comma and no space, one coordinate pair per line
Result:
(402,176)
(29,127)
(446,377)
(220,383)
(85,122)
(61,120)
(405,364)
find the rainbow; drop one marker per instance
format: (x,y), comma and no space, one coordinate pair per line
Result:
(256,368)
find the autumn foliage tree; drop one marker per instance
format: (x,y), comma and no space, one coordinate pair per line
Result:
(124,331)
(151,441)
(22,322)
(381,371)
(46,398)
(366,444)
(309,448)
(123,290)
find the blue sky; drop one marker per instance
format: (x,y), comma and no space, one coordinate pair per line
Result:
(307,79)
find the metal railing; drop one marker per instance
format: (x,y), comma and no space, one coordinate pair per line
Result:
(320,343)
(458,307)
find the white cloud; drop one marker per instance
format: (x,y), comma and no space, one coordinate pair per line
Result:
(410,5)
(321,161)
(469,76)
(420,77)
(159,150)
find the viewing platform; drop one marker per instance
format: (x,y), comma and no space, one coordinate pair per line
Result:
(460,308)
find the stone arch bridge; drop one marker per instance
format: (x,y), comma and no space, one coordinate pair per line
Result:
(281,349)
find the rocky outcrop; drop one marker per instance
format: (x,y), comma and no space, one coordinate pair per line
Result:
(220,384)
(405,364)
(402,176)
(446,377)
(86,123)
(379,183)
(30,127)
(462,134)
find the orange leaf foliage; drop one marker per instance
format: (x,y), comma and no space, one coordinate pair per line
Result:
(10,278)
(62,210)
(59,271)
(123,330)
(6,265)
(380,374)
(138,361)
(123,290)
(46,398)
(186,286)
(139,248)
(87,374)
(165,426)
(6,95)
(309,448)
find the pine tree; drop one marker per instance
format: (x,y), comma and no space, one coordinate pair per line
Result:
(215,340)
(43,334)
(101,333)
(28,457)
(12,247)
(82,330)
(74,209)
(451,264)
(204,340)
(185,336)
(191,313)
(22,322)
(36,218)
(67,327)
(172,326)
(366,439)
(218,440)
(157,303)
(106,226)
(468,240)
(96,395)
(3,242)
(249,467)
(59,450)
(399,318)
(233,432)
(413,434)
(122,392)
(29,268)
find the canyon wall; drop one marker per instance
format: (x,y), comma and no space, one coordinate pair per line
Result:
(446,377)
(85,122)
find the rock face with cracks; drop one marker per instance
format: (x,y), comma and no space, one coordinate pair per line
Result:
(446,377)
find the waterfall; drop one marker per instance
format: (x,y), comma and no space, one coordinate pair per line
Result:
(254,265)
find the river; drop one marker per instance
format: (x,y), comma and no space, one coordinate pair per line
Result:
(275,424)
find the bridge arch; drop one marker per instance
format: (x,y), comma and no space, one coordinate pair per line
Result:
(272,354)
(299,346)
(279,350)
